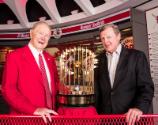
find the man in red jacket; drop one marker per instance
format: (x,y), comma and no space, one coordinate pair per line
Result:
(23,86)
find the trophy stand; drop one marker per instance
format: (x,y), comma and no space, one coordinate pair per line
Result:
(76,88)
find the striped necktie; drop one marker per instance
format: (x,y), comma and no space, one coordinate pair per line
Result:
(45,82)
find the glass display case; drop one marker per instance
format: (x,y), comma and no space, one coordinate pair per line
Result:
(4,107)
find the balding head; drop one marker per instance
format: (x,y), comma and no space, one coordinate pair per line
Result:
(40,23)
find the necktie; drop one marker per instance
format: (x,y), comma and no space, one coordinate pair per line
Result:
(45,82)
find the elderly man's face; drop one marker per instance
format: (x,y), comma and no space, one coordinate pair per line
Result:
(109,39)
(40,36)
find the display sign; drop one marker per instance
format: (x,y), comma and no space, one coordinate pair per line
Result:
(58,32)
(152,29)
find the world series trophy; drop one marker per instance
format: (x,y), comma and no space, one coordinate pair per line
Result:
(76,67)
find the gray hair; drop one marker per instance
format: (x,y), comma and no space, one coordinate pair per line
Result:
(113,26)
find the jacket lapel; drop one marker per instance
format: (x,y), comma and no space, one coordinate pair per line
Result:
(121,67)
(104,69)
(50,67)
(28,56)
(51,70)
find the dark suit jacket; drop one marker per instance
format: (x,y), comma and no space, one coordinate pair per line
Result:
(22,85)
(133,86)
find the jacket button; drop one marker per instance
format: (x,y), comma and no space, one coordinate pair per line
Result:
(112,93)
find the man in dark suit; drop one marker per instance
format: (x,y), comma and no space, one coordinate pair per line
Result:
(24,85)
(123,82)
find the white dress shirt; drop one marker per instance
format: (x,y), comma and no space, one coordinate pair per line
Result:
(112,63)
(36,56)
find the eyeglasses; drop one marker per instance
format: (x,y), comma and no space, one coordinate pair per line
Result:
(42,34)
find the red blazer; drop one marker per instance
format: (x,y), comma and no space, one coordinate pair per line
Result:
(22,85)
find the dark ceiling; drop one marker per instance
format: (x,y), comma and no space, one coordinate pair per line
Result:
(21,14)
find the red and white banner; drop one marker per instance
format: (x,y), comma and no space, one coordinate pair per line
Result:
(58,32)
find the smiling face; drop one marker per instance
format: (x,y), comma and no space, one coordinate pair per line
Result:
(110,39)
(40,35)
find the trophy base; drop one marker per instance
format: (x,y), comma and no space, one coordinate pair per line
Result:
(76,100)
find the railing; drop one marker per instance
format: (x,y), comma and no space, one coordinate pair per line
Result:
(68,120)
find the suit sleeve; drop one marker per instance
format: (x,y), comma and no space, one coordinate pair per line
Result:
(10,90)
(57,82)
(97,88)
(145,85)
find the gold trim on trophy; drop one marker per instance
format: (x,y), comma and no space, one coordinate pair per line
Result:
(77,76)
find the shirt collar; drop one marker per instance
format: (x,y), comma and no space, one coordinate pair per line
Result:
(117,51)
(34,50)
(119,48)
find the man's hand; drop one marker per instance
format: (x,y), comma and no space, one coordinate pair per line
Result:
(133,115)
(45,113)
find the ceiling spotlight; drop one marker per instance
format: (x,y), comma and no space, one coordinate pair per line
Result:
(107,0)
(10,21)
(74,12)
(126,30)
(43,18)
